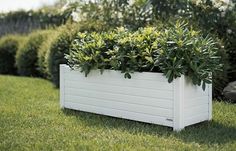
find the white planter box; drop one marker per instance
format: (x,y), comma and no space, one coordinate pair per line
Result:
(146,97)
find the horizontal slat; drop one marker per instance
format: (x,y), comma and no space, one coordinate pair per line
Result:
(119,113)
(163,103)
(121,81)
(192,91)
(192,111)
(196,101)
(197,93)
(133,91)
(105,103)
(196,119)
(117,74)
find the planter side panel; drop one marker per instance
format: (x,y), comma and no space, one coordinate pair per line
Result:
(196,104)
(146,97)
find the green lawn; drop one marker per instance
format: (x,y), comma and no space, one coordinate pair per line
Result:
(30,119)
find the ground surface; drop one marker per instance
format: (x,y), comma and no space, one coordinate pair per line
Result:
(30,119)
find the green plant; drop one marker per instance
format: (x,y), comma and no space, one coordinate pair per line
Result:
(175,51)
(8,47)
(58,47)
(42,53)
(26,57)
(211,16)
(185,51)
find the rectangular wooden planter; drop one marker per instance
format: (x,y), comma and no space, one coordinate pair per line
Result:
(146,97)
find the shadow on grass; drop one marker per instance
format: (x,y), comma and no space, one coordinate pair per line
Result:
(206,133)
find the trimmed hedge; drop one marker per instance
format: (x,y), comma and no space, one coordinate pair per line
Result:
(42,53)
(58,48)
(173,51)
(26,57)
(8,47)
(26,21)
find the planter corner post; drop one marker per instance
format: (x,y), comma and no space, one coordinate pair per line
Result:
(62,85)
(178,120)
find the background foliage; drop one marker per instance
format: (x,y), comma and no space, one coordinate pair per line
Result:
(57,50)
(27,21)
(26,56)
(8,48)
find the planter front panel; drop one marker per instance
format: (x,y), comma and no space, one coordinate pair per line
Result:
(146,97)
(197,104)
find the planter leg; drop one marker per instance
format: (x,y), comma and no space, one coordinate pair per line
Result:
(178,104)
(62,85)
(209,102)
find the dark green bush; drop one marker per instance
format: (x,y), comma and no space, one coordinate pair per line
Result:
(42,53)
(26,57)
(175,51)
(8,47)
(59,46)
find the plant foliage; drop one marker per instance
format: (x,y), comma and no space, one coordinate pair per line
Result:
(8,47)
(57,49)
(175,51)
(26,56)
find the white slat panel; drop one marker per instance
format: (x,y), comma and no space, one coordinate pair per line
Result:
(106,103)
(196,119)
(121,81)
(192,91)
(120,89)
(196,101)
(146,97)
(192,111)
(119,113)
(163,103)
(117,74)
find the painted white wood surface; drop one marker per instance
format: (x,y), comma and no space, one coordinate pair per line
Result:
(146,97)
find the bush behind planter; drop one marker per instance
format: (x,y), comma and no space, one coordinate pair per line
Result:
(58,47)
(174,51)
(26,57)
(42,53)
(8,47)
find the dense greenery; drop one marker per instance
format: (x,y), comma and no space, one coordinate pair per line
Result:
(26,57)
(42,55)
(175,51)
(58,48)
(27,21)
(211,16)
(30,119)
(8,48)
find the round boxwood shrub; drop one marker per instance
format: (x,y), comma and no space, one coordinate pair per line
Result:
(58,48)
(42,53)
(8,47)
(176,50)
(26,57)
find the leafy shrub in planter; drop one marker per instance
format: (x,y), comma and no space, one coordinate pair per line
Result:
(174,51)
(8,47)
(58,47)
(26,57)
